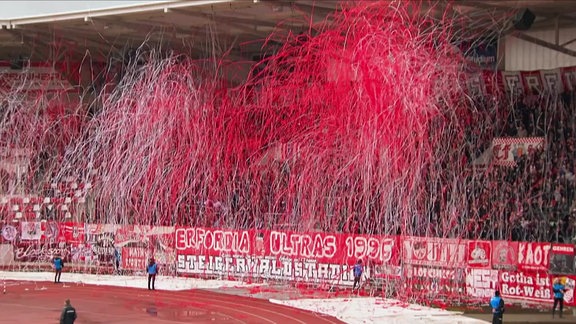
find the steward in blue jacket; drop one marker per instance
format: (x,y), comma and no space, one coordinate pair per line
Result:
(559,289)
(58,265)
(152,270)
(497,305)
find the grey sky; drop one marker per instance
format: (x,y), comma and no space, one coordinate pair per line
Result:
(20,9)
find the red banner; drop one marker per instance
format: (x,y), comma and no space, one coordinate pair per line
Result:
(108,243)
(52,232)
(74,233)
(552,80)
(532,82)
(534,286)
(569,78)
(322,247)
(504,255)
(280,254)
(157,241)
(533,256)
(443,267)
(516,285)
(214,242)
(135,258)
(490,83)
(479,254)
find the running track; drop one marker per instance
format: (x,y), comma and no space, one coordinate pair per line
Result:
(42,302)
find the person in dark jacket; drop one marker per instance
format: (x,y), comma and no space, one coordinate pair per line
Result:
(497,305)
(68,314)
(152,270)
(117,259)
(58,265)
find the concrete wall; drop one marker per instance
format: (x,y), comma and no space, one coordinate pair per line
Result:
(520,55)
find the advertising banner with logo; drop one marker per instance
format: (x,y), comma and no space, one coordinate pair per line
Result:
(479,254)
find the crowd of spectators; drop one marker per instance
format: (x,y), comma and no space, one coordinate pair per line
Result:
(533,200)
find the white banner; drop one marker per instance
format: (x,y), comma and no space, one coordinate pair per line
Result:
(267,267)
(31,231)
(505,150)
(481,283)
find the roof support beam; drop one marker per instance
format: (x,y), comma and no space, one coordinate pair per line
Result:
(557,30)
(313,9)
(77,37)
(569,42)
(543,43)
(213,17)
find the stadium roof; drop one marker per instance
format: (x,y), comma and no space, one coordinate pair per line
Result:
(207,25)
(190,24)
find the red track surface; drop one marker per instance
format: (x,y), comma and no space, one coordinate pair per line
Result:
(42,302)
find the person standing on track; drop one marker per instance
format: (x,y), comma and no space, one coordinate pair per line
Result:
(152,270)
(559,289)
(116,261)
(58,264)
(497,305)
(358,270)
(68,314)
